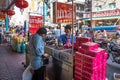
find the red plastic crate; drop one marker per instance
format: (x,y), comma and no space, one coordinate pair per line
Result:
(78,55)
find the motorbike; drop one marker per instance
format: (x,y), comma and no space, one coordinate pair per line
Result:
(50,39)
(112,48)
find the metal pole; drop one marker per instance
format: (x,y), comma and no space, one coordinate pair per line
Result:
(43,13)
(72,32)
(29,26)
(72,27)
(92,33)
(91,14)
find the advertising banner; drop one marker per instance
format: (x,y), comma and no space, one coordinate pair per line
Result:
(35,23)
(115,12)
(63,13)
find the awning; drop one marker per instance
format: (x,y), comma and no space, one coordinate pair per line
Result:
(102,18)
(102,28)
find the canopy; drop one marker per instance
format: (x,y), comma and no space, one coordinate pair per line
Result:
(103,28)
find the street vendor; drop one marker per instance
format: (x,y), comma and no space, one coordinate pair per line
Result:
(63,38)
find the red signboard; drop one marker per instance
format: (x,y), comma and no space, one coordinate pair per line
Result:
(63,13)
(115,12)
(35,23)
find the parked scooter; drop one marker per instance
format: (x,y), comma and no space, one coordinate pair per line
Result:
(114,49)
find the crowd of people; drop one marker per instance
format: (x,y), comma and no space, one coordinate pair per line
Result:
(12,30)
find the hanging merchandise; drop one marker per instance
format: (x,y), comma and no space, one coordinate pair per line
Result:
(21,4)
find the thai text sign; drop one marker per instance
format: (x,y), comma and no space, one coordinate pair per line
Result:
(63,13)
(115,12)
(36,21)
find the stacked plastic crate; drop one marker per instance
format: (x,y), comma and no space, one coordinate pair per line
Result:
(90,61)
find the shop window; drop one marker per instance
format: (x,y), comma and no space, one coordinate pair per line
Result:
(112,5)
(98,7)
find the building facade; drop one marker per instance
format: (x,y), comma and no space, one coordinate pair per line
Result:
(104,13)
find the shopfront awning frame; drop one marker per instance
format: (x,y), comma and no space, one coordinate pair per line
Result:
(103,18)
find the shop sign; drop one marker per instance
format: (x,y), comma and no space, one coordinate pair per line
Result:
(36,21)
(2,16)
(115,12)
(63,13)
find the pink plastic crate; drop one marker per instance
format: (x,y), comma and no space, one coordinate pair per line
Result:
(78,73)
(77,40)
(78,65)
(90,70)
(90,46)
(88,78)
(97,53)
(89,59)
(76,46)
(76,77)
(78,55)
(84,40)
(81,50)
(105,56)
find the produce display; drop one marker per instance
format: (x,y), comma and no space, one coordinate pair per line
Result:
(18,43)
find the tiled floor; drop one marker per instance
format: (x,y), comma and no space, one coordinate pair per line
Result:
(10,64)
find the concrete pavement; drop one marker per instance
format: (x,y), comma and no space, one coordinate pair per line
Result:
(10,64)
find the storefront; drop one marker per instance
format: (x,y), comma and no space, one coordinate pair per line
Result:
(104,18)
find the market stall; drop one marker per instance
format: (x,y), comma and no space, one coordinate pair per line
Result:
(18,43)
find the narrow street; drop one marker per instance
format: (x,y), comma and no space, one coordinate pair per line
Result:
(11,67)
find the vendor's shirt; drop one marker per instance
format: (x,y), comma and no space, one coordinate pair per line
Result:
(36,50)
(63,39)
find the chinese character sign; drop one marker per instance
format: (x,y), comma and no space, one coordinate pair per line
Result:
(63,13)
(36,21)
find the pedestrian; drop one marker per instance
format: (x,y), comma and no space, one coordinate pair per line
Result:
(35,71)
